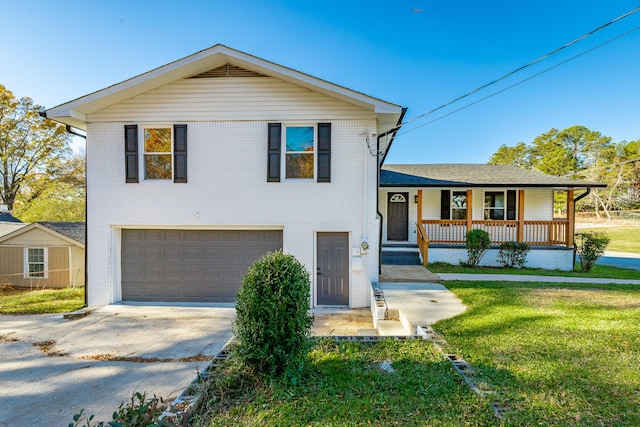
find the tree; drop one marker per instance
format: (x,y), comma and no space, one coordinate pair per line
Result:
(62,199)
(518,155)
(29,145)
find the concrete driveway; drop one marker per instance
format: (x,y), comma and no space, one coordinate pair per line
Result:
(52,367)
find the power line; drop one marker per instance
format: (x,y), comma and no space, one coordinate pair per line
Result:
(521,81)
(631,12)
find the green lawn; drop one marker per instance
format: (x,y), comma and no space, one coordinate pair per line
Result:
(26,301)
(344,385)
(623,238)
(556,355)
(553,355)
(600,271)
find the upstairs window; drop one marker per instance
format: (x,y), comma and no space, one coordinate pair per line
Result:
(35,266)
(300,151)
(157,153)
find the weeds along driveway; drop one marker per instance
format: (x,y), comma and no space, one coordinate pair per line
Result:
(52,367)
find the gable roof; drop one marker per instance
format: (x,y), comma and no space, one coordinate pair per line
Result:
(73,230)
(473,175)
(74,112)
(10,227)
(70,232)
(5,216)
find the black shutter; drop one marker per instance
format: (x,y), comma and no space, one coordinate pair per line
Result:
(131,153)
(180,153)
(273,152)
(324,152)
(511,205)
(445,204)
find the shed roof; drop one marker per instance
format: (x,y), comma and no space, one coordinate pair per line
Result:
(73,230)
(473,175)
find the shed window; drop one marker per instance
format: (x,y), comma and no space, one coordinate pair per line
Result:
(35,266)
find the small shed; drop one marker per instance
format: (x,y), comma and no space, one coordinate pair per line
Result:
(43,255)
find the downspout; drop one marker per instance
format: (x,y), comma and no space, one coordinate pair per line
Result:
(393,132)
(582,196)
(70,130)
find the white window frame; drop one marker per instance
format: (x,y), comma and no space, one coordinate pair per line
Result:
(144,152)
(27,263)
(314,126)
(451,208)
(504,208)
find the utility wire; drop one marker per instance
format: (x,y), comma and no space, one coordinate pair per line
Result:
(631,12)
(519,82)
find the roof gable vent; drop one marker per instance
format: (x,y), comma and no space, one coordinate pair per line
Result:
(228,70)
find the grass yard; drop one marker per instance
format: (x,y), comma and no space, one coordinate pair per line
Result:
(27,301)
(344,385)
(558,355)
(623,238)
(555,355)
(600,271)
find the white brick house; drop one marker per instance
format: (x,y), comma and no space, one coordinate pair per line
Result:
(197,168)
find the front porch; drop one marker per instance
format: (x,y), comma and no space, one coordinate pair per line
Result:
(558,232)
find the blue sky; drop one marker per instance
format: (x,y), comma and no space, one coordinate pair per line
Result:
(416,53)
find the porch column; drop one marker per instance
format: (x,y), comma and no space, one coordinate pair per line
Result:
(469,209)
(520,237)
(571,216)
(419,207)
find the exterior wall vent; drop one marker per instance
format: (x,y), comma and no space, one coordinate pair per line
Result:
(227,70)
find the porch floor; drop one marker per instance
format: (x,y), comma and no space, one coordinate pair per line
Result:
(407,274)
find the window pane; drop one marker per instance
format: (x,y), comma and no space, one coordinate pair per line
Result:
(157,140)
(458,214)
(157,166)
(300,138)
(36,255)
(497,214)
(300,165)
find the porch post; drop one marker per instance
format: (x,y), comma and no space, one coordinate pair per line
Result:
(571,207)
(469,209)
(520,237)
(420,207)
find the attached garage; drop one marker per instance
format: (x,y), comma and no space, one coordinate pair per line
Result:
(190,265)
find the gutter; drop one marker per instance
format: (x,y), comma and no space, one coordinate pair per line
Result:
(582,196)
(393,133)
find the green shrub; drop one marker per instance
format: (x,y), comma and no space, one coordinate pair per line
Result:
(142,411)
(478,242)
(273,323)
(590,245)
(513,254)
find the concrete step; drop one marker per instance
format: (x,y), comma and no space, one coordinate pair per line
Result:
(391,328)
(397,257)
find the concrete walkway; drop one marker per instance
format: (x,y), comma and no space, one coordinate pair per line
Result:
(521,278)
(421,304)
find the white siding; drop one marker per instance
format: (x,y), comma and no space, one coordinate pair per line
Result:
(230,98)
(546,258)
(227,188)
(538,204)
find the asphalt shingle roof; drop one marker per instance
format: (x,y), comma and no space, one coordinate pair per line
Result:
(73,230)
(472,175)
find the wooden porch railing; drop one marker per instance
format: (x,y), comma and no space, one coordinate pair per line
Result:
(423,243)
(545,233)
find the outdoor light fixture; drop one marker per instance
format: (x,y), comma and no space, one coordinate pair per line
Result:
(415,198)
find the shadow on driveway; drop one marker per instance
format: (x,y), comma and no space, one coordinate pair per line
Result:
(41,390)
